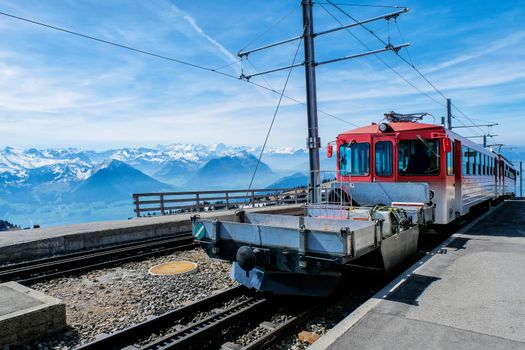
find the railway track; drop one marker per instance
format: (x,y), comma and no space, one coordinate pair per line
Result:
(131,336)
(206,324)
(200,332)
(41,269)
(283,329)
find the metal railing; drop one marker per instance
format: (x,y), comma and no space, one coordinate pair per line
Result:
(165,203)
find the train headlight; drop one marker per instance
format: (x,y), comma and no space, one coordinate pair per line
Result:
(383,127)
(431,195)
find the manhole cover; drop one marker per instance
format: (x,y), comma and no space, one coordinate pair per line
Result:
(180,267)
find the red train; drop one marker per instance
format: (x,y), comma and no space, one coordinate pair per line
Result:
(460,173)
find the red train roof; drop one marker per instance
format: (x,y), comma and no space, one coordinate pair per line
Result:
(396,126)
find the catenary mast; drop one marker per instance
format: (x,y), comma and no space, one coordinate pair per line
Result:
(313,140)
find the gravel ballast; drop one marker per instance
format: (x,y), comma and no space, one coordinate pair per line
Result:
(108,300)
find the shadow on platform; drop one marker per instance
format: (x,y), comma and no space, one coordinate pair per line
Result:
(413,287)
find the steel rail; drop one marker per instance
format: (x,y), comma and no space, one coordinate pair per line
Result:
(197,332)
(71,255)
(282,329)
(130,335)
(76,262)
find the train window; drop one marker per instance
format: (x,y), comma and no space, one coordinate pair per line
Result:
(354,159)
(478,162)
(464,161)
(383,158)
(418,157)
(450,160)
(472,161)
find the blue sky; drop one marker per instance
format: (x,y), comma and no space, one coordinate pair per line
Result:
(60,90)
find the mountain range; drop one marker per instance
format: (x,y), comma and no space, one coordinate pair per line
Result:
(68,185)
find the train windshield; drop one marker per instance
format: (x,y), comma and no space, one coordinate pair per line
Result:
(354,159)
(418,157)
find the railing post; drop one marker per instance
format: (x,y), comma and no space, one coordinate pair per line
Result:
(296,193)
(227,200)
(137,205)
(197,201)
(162,204)
(253,199)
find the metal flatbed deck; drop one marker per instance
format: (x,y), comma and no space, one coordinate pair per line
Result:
(468,294)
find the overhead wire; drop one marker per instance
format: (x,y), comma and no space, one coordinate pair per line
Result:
(410,63)
(402,39)
(189,64)
(273,121)
(442,104)
(360,5)
(386,43)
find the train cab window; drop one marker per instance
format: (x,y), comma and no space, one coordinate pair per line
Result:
(383,158)
(354,159)
(450,160)
(418,157)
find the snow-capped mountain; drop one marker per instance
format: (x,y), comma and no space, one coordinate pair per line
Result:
(71,185)
(72,164)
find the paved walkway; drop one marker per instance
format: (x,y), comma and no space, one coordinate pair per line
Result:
(469,295)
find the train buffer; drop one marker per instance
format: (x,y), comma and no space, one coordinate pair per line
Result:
(467,294)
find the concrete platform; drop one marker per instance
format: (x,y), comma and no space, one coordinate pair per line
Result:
(26,314)
(44,242)
(468,294)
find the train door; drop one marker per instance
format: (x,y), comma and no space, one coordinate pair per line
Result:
(458,176)
(384,155)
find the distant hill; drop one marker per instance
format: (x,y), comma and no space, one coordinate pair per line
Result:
(6,226)
(294,180)
(115,180)
(175,172)
(230,172)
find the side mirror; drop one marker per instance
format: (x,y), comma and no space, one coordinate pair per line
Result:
(329,150)
(447,145)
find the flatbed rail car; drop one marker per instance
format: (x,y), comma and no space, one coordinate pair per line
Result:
(300,255)
(392,178)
